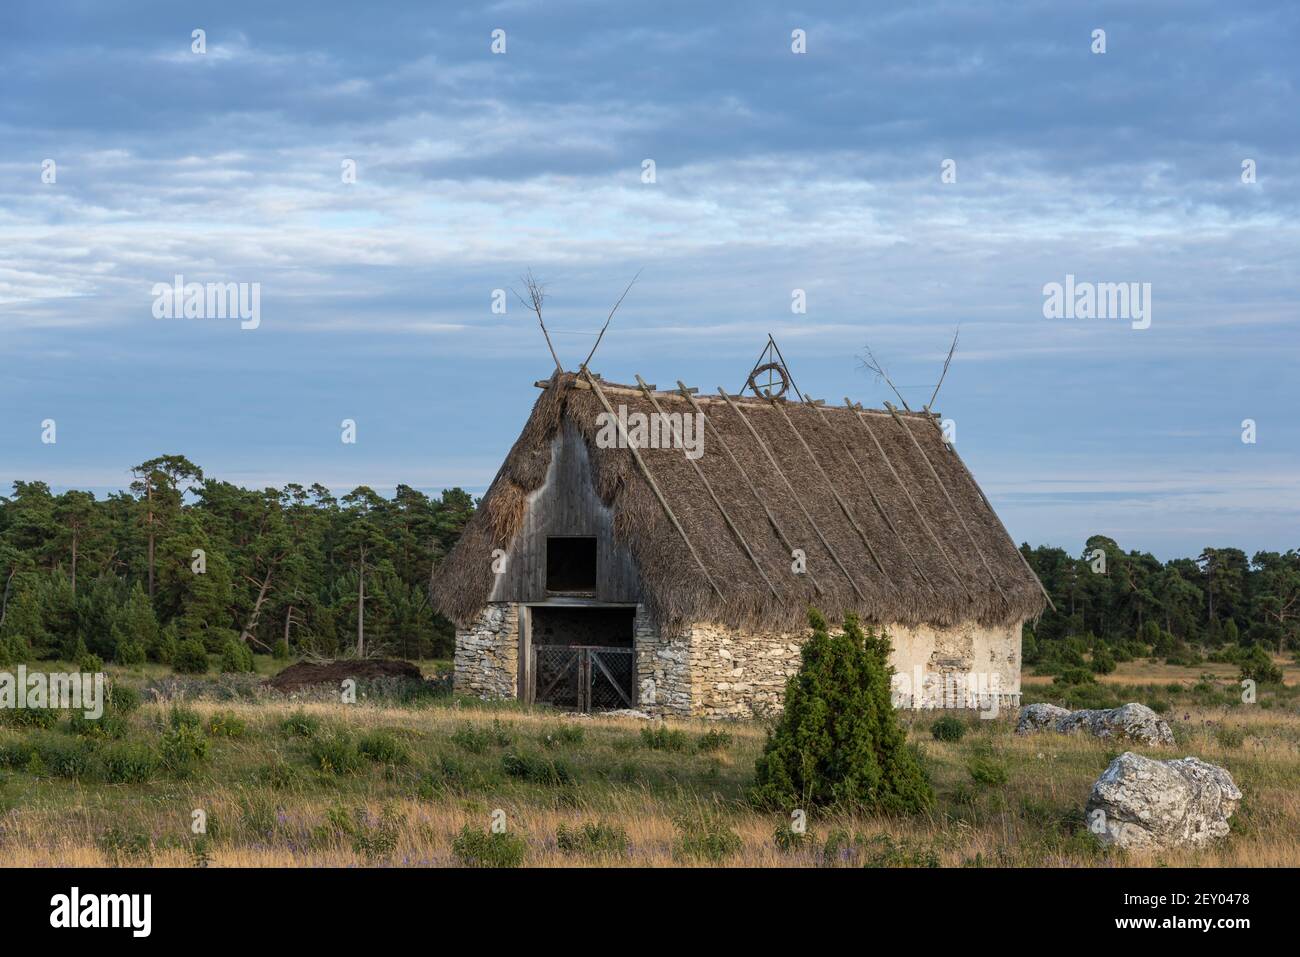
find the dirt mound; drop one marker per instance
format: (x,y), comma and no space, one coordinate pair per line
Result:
(305,675)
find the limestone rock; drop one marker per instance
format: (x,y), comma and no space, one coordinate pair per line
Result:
(627,713)
(1140,802)
(1039,717)
(1132,722)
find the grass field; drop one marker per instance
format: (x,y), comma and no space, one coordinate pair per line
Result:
(320,783)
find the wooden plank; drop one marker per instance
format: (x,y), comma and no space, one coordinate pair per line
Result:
(654,486)
(776,526)
(793,494)
(677,436)
(951,504)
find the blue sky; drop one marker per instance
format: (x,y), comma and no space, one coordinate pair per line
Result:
(774,172)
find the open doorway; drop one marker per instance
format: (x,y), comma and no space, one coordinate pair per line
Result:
(582,658)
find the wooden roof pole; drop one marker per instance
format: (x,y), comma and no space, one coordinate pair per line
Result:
(654,486)
(709,488)
(919,514)
(843,506)
(866,483)
(793,494)
(984,498)
(776,526)
(951,504)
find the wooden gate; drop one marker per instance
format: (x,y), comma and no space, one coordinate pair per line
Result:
(584,677)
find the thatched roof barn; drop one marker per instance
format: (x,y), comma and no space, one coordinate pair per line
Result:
(714,537)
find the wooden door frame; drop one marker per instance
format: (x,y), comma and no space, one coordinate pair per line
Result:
(525,681)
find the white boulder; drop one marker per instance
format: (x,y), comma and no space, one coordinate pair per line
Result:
(1143,803)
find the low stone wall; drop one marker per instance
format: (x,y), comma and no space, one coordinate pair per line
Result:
(487,654)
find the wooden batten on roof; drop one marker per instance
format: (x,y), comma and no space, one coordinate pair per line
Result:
(891,523)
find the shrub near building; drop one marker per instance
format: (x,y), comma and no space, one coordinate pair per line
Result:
(838,741)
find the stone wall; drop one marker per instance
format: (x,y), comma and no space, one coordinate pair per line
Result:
(664,674)
(961,666)
(487,654)
(718,672)
(738,674)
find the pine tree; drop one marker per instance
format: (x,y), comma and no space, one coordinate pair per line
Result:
(134,628)
(24,626)
(838,741)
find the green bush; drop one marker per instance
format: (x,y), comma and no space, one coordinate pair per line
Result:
(662,738)
(838,741)
(789,840)
(190,657)
(181,716)
(108,725)
(122,698)
(278,775)
(1074,676)
(128,763)
(373,837)
(712,741)
(537,770)
(705,837)
(236,657)
(594,839)
(477,740)
(223,724)
(335,753)
(384,747)
(1103,661)
(183,748)
(280,651)
(64,758)
(130,653)
(985,770)
(300,724)
(475,848)
(883,851)
(948,728)
(168,646)
(119,844)
(1257,665)
(31,718)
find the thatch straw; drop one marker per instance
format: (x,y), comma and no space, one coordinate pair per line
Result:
(956,586)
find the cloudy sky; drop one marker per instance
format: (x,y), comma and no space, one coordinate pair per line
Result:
(774,171)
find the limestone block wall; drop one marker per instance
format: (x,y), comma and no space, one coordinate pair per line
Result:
(487,654)
(740,674)
(719,672)
(736,674)
(664,669)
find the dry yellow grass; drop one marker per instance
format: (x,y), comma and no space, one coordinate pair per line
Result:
(1034,819)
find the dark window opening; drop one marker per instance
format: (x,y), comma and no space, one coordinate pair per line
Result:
(604,627)
(571,565)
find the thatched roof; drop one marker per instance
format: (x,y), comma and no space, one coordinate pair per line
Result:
(914,543)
